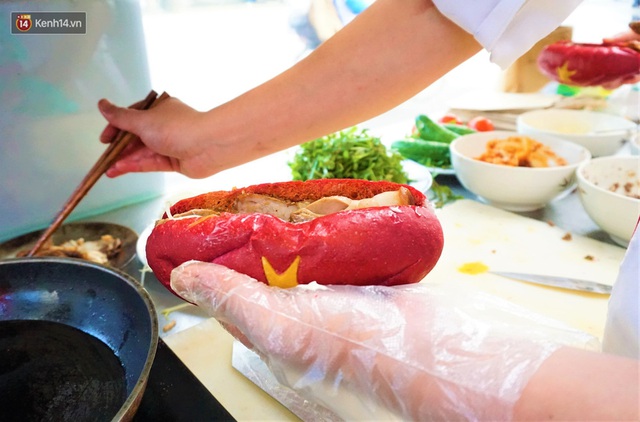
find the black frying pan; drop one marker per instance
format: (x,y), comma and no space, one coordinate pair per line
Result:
(77,341)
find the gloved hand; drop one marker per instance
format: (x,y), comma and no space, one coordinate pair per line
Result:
(632,35)
(418,352)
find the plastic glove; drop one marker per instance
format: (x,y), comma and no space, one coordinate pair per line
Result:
(626,36)
(418,352)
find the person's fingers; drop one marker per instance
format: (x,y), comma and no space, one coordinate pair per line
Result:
(318,338)
(237,334)
(141,159)
(237,301)
(108,134)
(299,318)
(618,83)
(230,296)
(118,117)
(110,131)
(624,36)
(136,157)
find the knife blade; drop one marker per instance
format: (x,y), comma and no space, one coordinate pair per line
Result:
(561,282)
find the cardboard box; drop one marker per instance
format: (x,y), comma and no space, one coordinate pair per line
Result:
(523,75)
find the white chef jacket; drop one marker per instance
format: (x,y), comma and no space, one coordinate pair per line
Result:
(622,332)
(507,29)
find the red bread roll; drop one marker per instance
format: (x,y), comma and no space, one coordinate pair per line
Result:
(298,232)
(589,64)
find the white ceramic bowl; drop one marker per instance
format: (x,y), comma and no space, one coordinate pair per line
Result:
(515,188)
(605,185)
(601,133)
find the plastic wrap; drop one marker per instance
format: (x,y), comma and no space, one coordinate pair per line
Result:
(418,352)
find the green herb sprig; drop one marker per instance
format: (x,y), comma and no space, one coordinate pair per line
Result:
(441,195)
(351,154)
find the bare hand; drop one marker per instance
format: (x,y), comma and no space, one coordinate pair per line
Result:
(170,139)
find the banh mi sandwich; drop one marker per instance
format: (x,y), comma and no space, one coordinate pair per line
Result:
(584,64)
(331,231)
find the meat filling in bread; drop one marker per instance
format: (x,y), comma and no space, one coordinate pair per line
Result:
(297,212)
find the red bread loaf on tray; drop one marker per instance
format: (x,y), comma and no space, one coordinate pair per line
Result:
(331,231)
(589,64)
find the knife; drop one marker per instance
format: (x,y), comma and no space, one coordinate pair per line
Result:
(562,282)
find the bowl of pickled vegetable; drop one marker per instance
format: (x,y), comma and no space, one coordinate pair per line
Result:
(516,172)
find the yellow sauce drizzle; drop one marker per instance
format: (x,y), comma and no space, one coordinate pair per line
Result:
(473,268)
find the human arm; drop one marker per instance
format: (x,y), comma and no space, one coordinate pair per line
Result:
(575,384)
(387,54)
(425,352)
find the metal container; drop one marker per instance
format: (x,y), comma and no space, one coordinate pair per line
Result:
(49,121)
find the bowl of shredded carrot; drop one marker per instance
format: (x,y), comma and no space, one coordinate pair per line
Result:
(516,172)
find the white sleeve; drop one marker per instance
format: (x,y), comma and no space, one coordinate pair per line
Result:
(507,28)
(622,332)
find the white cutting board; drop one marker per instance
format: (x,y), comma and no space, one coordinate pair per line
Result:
(505,241)
(474,232)
(206,350)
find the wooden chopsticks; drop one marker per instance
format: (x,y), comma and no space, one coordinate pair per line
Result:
(120,140)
